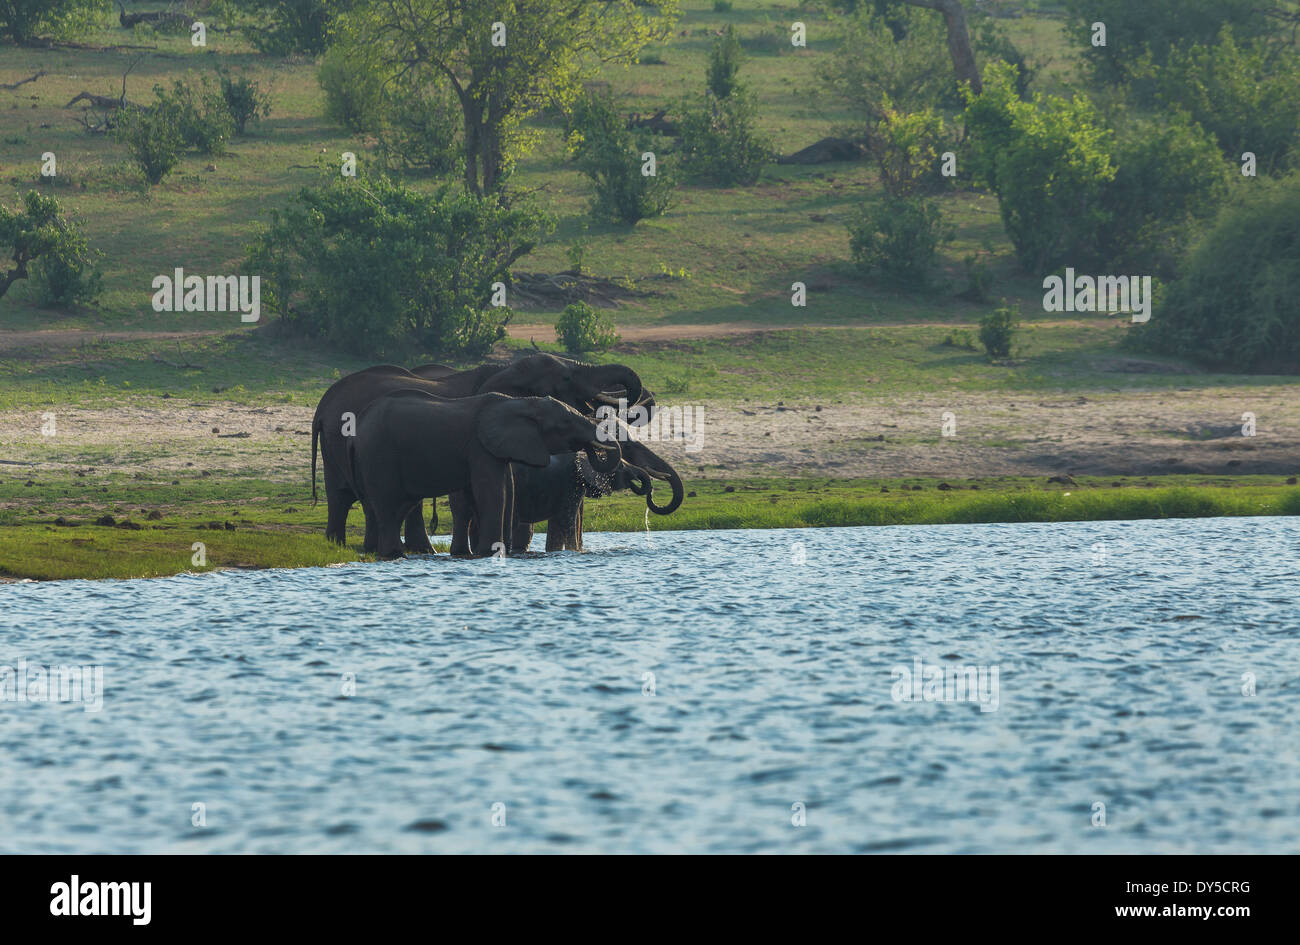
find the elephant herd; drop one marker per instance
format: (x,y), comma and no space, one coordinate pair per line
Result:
(510,445)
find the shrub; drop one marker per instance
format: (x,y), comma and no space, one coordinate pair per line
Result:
(906,148)
(610,155)
(375,266)
(244,98)
(153,139)
(48,247)
(899,56)
(998,331)
(21,21)
(724,63)
(1246,95)
(288,27)
(581,328)
(1049,163)
(203,119)
(354,89)
(1237,304)
(421,128)
(900,237)
(719,143)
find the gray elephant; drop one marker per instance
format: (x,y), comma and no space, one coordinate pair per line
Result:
(411,445)
(584,387)
(555,494)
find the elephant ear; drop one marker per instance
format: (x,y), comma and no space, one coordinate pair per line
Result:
(511,430)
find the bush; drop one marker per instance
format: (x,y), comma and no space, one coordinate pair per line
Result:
(354,89)
(21,21)
(1158,26)
(372,265)
(998,331)
(49,248)
(581,328)
(421,128)
(153,139)
(244,98)
(1049,163)
(906,147)
(610,155)
(724,63)
(1237,304)
(289,27)
(1247,96)
(719,144)
(900,57)
(202,117)
(899,237)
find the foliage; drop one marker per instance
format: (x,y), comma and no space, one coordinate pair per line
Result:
(998,331)
(1246,95)
(719,143)
(906,147)
(203,119)
(46,245)
(1048,162)
(899,57)
(244,99)
(1237,303)
(610,155)
(420,128)
(899,237)
(370,264)
(550,47)
(354,88)
(1157,26)
(289,27)
(581,328)
(153,139)
(724,63)
(22,21)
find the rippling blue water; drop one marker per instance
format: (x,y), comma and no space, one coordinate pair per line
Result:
(1121,649)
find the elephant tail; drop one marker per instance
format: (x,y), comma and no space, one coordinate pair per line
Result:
(315,436)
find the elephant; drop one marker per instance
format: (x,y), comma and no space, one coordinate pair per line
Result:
(555,495)
(411,444)
(581,386)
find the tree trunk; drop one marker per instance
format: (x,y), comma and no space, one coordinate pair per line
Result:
(959,47)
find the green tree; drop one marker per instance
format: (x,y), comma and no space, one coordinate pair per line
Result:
(724,63)
(1237,303)
(22,21)
(504,61)
(39,236)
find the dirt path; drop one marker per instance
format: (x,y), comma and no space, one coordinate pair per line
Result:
(994,434)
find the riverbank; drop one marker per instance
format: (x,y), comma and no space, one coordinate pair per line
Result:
(238,523)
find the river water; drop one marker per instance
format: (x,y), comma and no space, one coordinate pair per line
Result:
(1115,687)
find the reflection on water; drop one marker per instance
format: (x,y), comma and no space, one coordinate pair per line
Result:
(697,691)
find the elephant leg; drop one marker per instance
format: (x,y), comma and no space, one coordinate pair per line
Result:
(462,509)
(388,528)
(521,536)
(371,543)
(561,527)
(577,530)
(433,518)
(338,500)
(417,542)
(489,493)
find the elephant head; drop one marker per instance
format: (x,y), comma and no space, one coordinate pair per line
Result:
(584,387)
(530,430)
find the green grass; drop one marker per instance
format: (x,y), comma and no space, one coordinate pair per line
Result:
(47,530)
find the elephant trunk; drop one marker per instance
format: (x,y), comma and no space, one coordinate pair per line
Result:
(639,480)
(609,377)
(676,482)
(604,457)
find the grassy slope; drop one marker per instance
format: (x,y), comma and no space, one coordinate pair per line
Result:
(741,247)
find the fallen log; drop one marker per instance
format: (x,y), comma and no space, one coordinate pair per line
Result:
(31,78)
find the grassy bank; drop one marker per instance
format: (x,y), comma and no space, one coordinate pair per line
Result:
(51,532)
